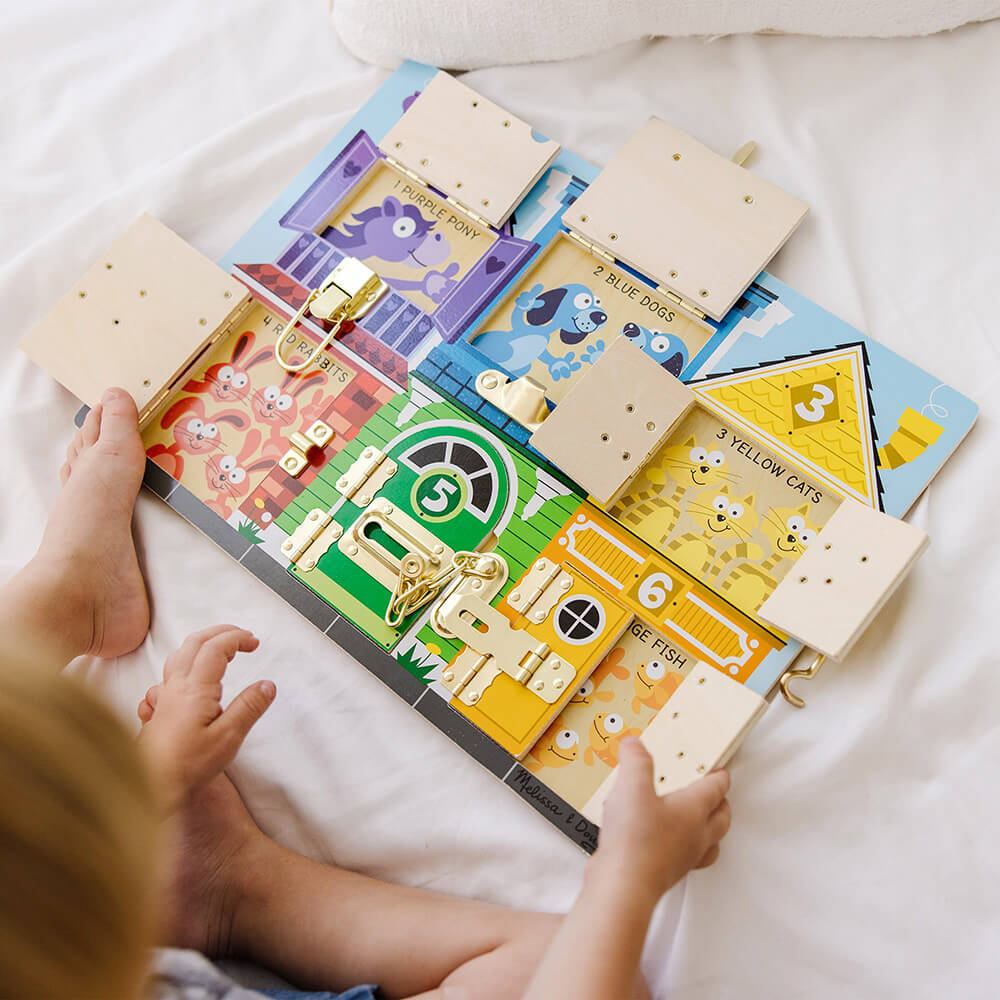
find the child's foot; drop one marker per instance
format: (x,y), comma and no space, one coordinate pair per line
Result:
(214,853)
(213,840)
(88,537)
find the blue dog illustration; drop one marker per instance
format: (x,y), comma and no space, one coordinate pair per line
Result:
(572,311)
(667,350)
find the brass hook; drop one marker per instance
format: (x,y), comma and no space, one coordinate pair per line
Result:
(292,323)
(789,675)
(348,292)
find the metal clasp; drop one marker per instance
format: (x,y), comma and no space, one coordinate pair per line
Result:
(493,646)
(346,293)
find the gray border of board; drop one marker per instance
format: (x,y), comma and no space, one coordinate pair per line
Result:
(373,658)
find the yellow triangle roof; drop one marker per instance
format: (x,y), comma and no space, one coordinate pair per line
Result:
(814,410)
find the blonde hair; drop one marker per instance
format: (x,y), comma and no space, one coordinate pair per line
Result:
(78,827)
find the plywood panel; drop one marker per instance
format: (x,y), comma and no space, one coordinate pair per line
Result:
(137,318)
(690,219)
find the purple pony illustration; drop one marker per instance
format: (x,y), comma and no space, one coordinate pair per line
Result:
(400,234)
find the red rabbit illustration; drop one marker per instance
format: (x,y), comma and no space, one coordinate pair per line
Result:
(198,434)
(277,408)
(229,381)
(229,476)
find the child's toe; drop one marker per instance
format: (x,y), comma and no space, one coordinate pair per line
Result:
(91,426)
(119,419)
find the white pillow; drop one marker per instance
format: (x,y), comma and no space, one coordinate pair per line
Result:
(467,34)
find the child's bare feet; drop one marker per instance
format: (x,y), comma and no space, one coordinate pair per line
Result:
(213,851)
(211,834)
(88,538)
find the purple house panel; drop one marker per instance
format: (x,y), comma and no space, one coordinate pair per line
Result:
(333,185)
(481,285)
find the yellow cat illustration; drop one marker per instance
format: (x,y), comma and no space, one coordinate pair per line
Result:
(651,514)
(723,519)
(748,585)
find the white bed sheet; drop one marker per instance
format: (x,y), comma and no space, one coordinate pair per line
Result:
(862,858)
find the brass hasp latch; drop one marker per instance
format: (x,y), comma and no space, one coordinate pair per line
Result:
(346,293)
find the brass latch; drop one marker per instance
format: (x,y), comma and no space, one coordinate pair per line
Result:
(522,400)
(493,646)
(426,566)
(346,293)
(302,443)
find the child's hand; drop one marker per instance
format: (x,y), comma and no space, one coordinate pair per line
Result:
(187,735)
(655,841)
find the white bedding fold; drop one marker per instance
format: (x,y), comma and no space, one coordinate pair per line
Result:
(467,34)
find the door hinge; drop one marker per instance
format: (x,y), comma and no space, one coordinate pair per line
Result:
(590,247)
(309,542)
(367,474)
